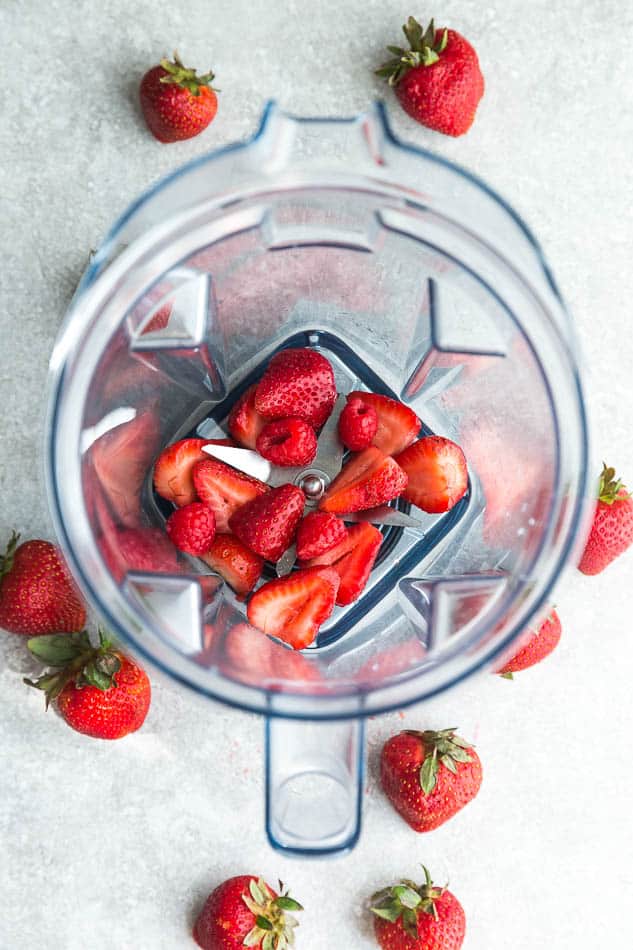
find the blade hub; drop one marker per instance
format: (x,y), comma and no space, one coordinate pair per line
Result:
(313,484)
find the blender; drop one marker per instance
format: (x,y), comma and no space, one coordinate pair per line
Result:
(415,280)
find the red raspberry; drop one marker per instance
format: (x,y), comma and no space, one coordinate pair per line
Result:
(357,425)
(320,531)
(287,442)
(192,528)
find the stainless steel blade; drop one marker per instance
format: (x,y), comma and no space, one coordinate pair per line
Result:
(385,515)
(329,457)
(287,561)
(245,460)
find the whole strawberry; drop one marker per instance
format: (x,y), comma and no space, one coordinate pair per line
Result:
(429,776)
(176,103)
(535,646)
(98,690)
(612,529)
(410,916)
(37,594)
(437,81)
(245,912)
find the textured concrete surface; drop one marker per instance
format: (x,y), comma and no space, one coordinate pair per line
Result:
(115,845)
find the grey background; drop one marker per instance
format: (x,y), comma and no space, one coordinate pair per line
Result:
(114,845)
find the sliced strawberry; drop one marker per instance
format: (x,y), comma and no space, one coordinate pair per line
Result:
(267,524)
(173,471)
(320,531)
(398,425)
(438,475)
(245,423)
(352,560)
(121,458)
(294,607)
(300,383)
(366,480)
(240,567)
(224,489)
(147,550)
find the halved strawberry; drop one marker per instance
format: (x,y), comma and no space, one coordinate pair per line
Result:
(294,607)
(224,488)
(240,567)
(267,524)
(398,425)
(352,560)
(245,423)
(299,383)
(121,458)
(173,471)
(438,476)
(366,480)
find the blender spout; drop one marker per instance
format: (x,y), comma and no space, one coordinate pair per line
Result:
(314,783)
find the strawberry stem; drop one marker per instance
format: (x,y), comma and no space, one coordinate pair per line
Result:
(611,489)
(6,560)
(180,75)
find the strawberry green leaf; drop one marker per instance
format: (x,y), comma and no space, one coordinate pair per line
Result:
(252,938)
(410,923)
(92,676)
(407,897)
(390,912)
(263,923)
(59,649)
(287,903)
(448,762)
(256,893)
(507,676)
(428,774)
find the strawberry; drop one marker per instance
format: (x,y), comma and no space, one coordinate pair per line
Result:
(397,424)
(357,424)
(300,383)
(99,691)
(121,458)
(173,470)
(175,102)
(192,528)
(245,912)
(438,475)
(413,916)
(287,442)
(245,423)
(437,81)
(236,563)
(267,524)
(224,489)
(252,657)
(146,550)
(429,776)
(293,608)
(319,532)
(37,594)
(535,645)
(366,480)
(612,528)
(352,559)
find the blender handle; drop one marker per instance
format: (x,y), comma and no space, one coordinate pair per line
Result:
(314,784)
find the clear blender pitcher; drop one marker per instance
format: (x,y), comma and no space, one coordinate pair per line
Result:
(415,280)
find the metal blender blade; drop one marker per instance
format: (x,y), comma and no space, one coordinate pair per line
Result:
(385,515)
(244,460)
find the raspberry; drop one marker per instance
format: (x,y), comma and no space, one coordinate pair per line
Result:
(287,442)
(319,532)
(192,528)
(357,425)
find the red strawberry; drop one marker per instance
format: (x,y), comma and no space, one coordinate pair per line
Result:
(236,563)
(37,594)
(176,103)
(300,383)
(267,524)
(121,458)
(319,532)
(245,423)
(252,657)
(398,425)
(438,475)
(418,917)
(287,442)
(429,776)
(352,559)
(99,691)
(173,470)
(539,643)
(437,81)
(224,489)
(294,607)
(245,912)
(146,550)
(357,424)
(366,480)
(612,529)
(192,528)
